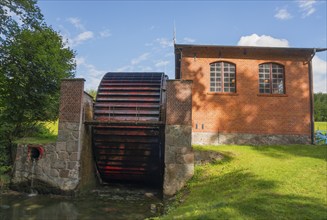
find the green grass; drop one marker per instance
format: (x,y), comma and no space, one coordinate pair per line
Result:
(37,140)
(321,125)
(47,135)
(266,182)
(52,127)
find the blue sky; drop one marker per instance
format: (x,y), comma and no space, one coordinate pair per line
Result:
(138,35)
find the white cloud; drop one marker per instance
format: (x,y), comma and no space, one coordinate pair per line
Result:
(188,40)
(307,7)
(133,66)
(105,33)
(124,68)
(263,41)
(140,58)
(162,63)
(319,67)
(164,42)
(282,14)
(79,61)
(84,36)
(89,72)
(77,23)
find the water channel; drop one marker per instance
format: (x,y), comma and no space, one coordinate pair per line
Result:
(118,202)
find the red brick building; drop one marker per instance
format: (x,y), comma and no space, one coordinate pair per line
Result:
(248,95)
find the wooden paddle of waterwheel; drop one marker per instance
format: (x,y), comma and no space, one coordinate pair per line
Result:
(128,127)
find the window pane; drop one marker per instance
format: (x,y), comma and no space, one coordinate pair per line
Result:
(222,72)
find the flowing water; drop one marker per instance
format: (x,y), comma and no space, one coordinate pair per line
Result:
(33,192)
(102,203)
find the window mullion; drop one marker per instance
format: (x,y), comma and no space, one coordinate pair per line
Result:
(222,76)
(270,80)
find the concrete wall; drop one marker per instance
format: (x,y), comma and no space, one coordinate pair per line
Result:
(66,165)
(247,111)
(179,157)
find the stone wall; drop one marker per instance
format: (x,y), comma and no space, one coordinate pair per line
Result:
(215,138)
(66,165)
(53,169)
(179,156)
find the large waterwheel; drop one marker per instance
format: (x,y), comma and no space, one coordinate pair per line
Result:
(128,130)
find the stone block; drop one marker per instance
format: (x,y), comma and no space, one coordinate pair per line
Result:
(72,126)
(74,156)
(61,146)
(69,184)
(54,173)
(63,173)
(59,164)
(49,149)
(63,155)
(187,158)
(63,136)
(72,146)
(74,135)
(176,176)
(178,135)
(73,174)
(72,165)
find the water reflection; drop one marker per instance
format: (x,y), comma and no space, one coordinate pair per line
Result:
(100,204)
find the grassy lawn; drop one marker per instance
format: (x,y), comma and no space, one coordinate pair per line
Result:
(321,125)
(266,182)
(48,136)
(52,127)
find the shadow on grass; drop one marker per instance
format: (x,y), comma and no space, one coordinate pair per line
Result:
(242,195)
(286,151)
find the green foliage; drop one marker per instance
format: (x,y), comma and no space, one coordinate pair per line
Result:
(320,107)
(93,93)
(31,71)
(322,126)
(24,11)
(52,127)
(258,182)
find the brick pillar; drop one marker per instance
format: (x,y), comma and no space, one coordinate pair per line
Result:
(179,156)
(68,144)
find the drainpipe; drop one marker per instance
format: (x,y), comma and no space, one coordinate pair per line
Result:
(311,97)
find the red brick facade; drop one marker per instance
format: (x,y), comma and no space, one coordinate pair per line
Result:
(179,102)
(246,111)
(71,98)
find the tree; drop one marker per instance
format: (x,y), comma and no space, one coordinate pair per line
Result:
(17,14)
(320,107)
(93,93)
(31,68)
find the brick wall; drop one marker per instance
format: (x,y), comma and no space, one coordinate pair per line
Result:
(247,111)
(179,103)
(71,91)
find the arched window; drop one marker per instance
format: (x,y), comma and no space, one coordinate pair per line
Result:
(222,77)
(271,78)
